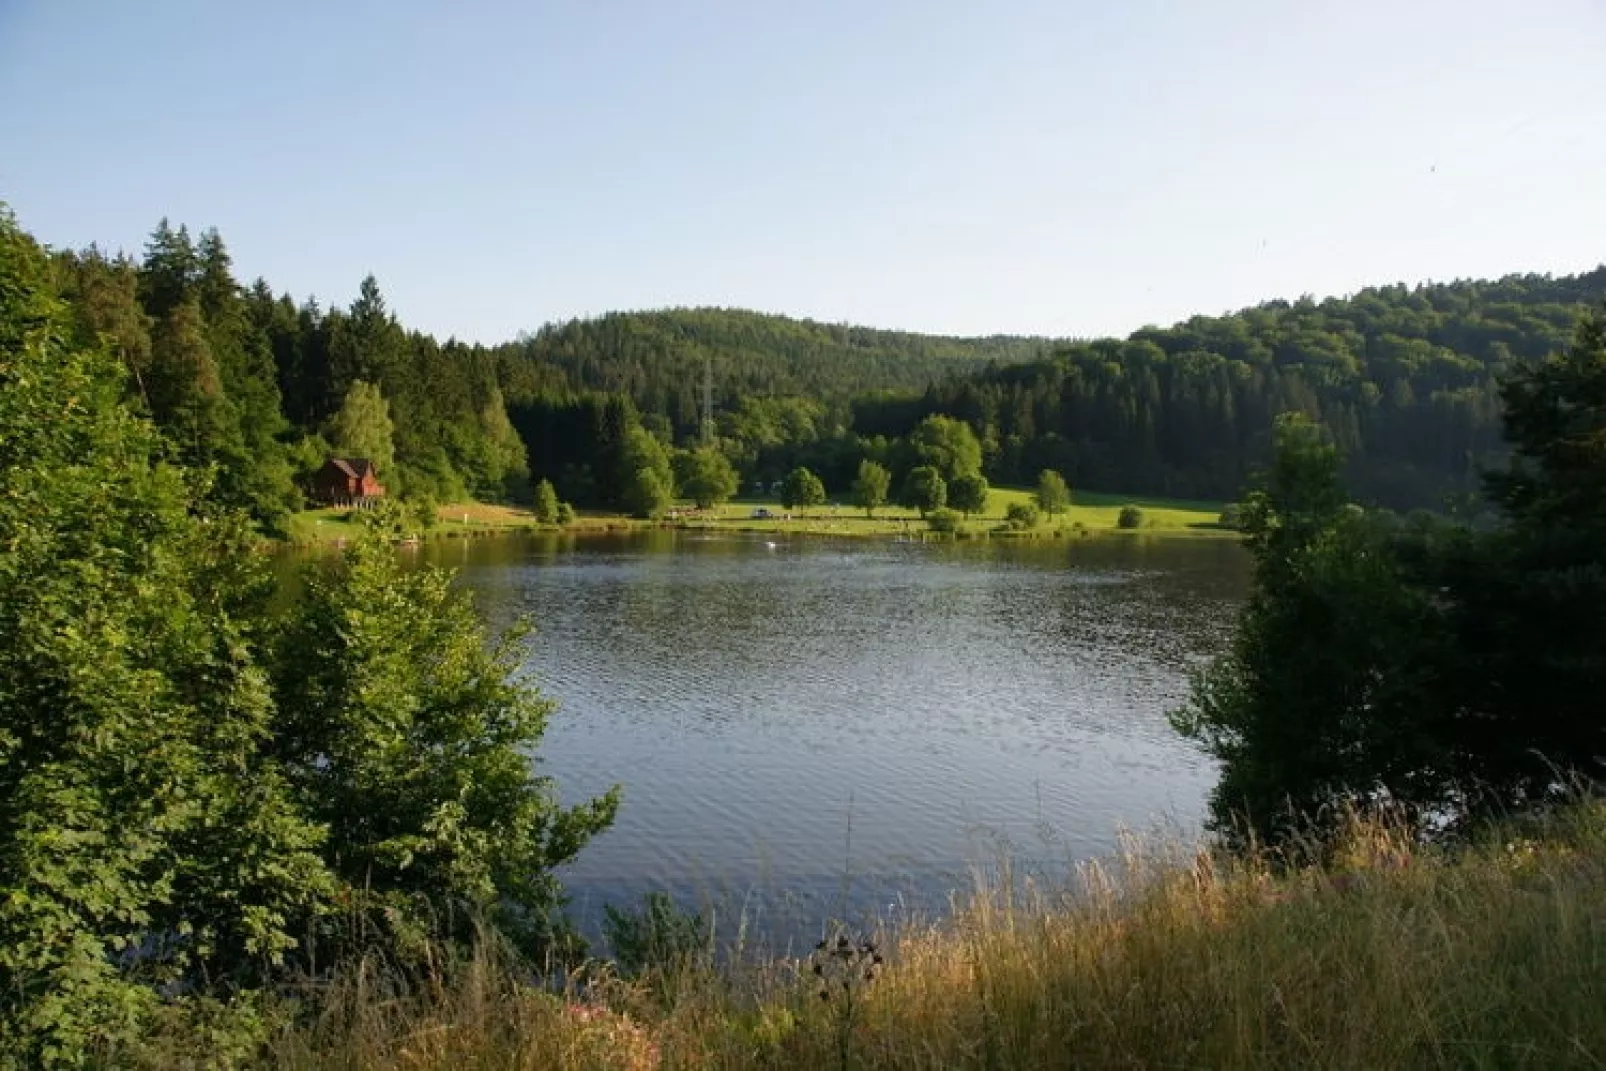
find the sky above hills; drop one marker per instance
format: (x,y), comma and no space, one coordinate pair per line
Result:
(1058,168)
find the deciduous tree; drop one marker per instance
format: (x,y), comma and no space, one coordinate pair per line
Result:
(870,486)
(802,488)
(968,493)
(925,490)
(1053,497)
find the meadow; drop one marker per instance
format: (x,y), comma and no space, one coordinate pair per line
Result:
(1089,512)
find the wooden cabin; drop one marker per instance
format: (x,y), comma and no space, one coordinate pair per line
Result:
(347,481)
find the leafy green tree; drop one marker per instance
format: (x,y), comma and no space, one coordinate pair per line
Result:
(925,490)
(1053,497)
(707,477)
(968,493)
(647,494)
(870,486)
(646,478)
(407,735)
(1327,693)
(943,520)
(546,502)
(363,428)
(144,846)
(1129,517)
(503,462)
(802,488)
(947,445)
(1529,595)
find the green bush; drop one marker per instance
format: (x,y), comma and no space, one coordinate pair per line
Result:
(565,513)
(661,934)
(1131,517)
(1021,516)
(200,800)
(943,520)
(422,512)
(546,503)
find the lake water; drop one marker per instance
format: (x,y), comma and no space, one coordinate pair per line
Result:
(808,728)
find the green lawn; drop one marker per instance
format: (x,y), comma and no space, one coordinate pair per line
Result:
(330,525)
(1089,512)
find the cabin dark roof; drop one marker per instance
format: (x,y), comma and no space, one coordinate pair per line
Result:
(355,467)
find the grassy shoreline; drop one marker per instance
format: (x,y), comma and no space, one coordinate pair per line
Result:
(1090,513)
(1392,956)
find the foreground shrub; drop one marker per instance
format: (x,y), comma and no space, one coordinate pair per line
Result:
(1130,517)
(144,846)
(407,736)
(943,520)
(196,806)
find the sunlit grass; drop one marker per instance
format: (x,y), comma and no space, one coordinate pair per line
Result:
(1393,957)
(1089,512)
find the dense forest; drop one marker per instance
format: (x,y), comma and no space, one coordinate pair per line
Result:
(1406,379)
(262,388)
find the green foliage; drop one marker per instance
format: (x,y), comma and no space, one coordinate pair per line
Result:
(1021,516)
(363,428)
(1327,694)
(788,378)
(947,445)
(1528,596)
(661,935)
(870,486)
(968,493)
(706,477)
(390,518)
(1129,517)
(1232,516)
(546,502)
(196,802)
(802,488)
(405,735)
(143,845)
(646,479)
(1053,497)
(925,490)
(565,513)
(943,520)
(1405,379)
(423,512)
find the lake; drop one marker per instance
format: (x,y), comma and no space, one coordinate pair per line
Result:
(809,728)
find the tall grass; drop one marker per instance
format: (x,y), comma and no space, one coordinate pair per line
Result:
(1491,955)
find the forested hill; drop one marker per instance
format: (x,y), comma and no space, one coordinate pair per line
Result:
(260,388)
(1405,378)
(658,358)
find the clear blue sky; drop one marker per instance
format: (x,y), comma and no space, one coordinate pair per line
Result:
(1054,168)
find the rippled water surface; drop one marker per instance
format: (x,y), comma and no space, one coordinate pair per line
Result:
(805,727)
